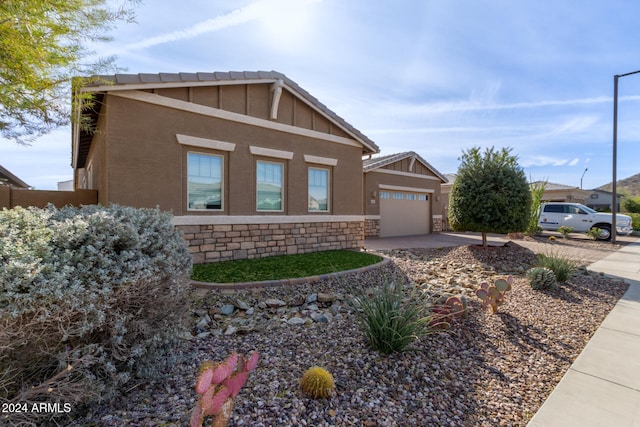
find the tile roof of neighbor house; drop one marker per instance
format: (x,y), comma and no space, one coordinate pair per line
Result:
(378,162)
(450,177)
(13,180)
(129,81)
(551,186)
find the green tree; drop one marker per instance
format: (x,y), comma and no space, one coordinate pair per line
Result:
(43,45)
(490,194)
(631,204)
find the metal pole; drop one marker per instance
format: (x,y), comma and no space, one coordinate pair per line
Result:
(614,184)
(614,187)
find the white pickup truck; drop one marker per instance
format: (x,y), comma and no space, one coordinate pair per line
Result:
(581,218)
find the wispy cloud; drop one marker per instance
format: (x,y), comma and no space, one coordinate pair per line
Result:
(444,130)
(254,11)
(575,125)
(467,106)
(529,161)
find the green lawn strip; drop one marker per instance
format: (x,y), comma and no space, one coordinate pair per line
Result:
(282,267)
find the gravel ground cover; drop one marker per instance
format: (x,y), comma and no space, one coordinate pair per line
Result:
(487,370)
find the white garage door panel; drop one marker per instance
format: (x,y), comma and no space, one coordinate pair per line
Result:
(402,217)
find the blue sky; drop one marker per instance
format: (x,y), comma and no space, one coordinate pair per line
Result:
(432,76)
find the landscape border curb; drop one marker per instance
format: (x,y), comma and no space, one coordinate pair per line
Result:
(286,282)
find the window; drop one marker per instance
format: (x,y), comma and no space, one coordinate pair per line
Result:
(422,197)
(318,190)
(412,196)
(204,182)
(398,196)
(554,208)
(384,194)
(269,186)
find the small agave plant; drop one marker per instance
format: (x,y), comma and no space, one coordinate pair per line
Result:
(494,295)
(218,384)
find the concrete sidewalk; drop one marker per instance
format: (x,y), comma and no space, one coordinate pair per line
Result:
(602,387)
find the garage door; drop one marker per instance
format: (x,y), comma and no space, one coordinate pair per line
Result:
(403,213)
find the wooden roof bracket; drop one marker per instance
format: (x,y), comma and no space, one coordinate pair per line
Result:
(276,88)
(413,160)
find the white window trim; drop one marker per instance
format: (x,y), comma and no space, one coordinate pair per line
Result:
(327,161)
(222,198)
(264,219)
(328,190)
(213,144)
(270,152)
(282,192)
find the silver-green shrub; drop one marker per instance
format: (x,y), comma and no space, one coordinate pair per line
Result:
(88,297)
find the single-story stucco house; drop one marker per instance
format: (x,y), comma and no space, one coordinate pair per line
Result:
(562,193)
(601,200)
(249,163)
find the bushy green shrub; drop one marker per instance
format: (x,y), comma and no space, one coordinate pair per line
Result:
(394,316)
(565,230)
(88,296)
(561,266)
(635,220)
(594,233)
(490,193)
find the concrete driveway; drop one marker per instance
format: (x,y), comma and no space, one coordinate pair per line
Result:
(435,240)
(578,247)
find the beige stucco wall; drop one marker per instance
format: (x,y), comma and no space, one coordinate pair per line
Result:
(373,179)
(147,166)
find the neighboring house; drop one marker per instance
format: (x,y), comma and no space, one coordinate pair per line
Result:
(445,190)
(10,180)
(401,196)
(563,193)
(65,185)
(250,164)
(600,200)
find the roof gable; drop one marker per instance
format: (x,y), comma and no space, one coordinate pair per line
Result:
(280,86)
(10,179)
(401,162)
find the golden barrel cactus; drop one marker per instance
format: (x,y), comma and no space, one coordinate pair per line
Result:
(317,383)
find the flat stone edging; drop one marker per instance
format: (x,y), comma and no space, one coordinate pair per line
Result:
(286,282)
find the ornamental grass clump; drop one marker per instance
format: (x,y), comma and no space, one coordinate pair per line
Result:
(562,267)
(393,317)
(90,298)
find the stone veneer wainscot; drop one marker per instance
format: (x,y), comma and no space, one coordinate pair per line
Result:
(224,242)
